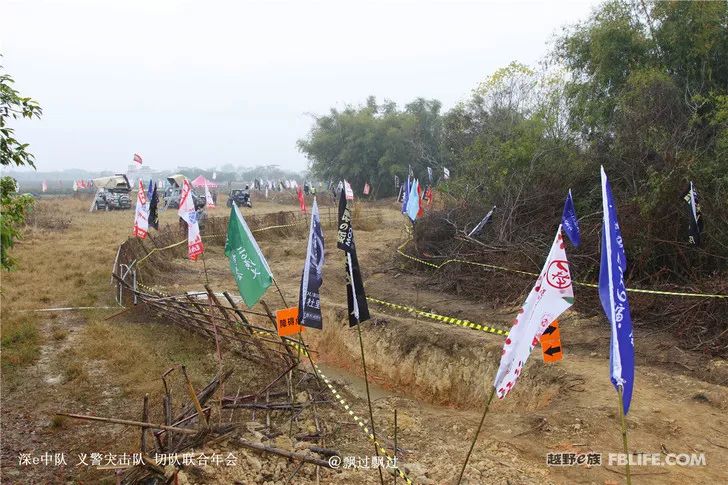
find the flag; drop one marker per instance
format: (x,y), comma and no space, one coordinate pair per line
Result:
(214,175)
(405,195)
(413,201)
(189,215)
(301,200)
(446,173)
(420,197)
(153,202)
(429,174)
(479,228)
(209,201)
(141,216)
(396,182)
(366,188)
(613,295)
(551,296)
(428,196)
(247,263)
(570,222)
(309,302)
(696,217)
(348,191)
(75,185)
(44,186)
(137,159)
(410,173)
(355,297)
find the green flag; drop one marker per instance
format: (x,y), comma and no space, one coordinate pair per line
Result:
(247,263)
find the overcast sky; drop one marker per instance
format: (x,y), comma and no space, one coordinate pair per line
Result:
(212,82)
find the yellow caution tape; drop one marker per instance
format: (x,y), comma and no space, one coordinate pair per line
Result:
(529,273)
(443,318)
(363,425)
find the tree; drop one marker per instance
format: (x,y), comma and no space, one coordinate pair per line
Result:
(13,207)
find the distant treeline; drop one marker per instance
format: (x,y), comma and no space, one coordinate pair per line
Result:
(639,87)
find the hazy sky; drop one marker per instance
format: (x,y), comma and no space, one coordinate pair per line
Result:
(215,82)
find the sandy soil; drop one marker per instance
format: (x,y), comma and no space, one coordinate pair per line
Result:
(436,376)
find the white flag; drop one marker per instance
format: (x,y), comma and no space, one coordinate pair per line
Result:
(348,191)
(446,172)
(75,186)
(214,175)
(189,215)
(551,296)
(141,217)
(209,202)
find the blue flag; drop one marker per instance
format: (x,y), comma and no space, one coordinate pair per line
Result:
(569,221)
(309,302)
(413,201)
(405,196)
(613,295)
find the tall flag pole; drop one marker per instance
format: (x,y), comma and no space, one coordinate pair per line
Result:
(613,295)
(247,263)
(355,298)
(188,214)
(696,217)
(570,222)
(141,215)
(309,301)
(551,296)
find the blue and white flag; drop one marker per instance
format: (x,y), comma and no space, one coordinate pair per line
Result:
(309,302)
(570,222)
(613,294)
(405,196)
(479,228)
(413,201)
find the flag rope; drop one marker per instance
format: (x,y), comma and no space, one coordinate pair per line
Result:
(529,273)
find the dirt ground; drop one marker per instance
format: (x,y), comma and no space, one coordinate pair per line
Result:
(437,376)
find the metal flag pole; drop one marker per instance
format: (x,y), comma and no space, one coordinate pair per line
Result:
(475,438)
(624,434)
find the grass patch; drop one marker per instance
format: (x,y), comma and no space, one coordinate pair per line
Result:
(20,343)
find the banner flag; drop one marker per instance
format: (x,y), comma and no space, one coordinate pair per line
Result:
(44,186)
(348,191)
(570,222)
(188,214)
(413,201)
(429,174)
(301,200)
(479,228)
(137,159)
(696,217)
(446,173)
(153,203)
(396,182)
(214,175)
(551,296)
(247,263)
(405,195)
(613,295)
(356,299)
(141,215)
(75,186)
(309,301)
(209,201)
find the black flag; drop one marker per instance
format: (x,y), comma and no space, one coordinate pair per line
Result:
(309,302)
(695,215)
(355,297)
(153,214)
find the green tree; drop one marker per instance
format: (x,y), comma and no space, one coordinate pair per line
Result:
(13,207)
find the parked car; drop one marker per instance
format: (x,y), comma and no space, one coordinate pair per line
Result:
(241,197)
(114,193)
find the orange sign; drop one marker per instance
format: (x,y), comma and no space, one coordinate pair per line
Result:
(551,343)
(288,321)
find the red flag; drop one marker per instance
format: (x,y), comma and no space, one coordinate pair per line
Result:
(420,212)
(301,200)
(137,158)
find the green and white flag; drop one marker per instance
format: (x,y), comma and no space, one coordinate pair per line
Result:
(247,263)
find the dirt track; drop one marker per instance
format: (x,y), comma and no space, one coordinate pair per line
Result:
(437,375)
